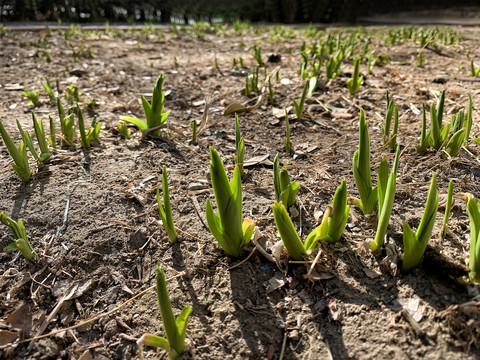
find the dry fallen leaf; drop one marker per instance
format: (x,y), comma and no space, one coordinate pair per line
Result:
(7,337)
(276,282)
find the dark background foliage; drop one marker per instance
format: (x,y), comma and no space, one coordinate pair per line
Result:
(276,11)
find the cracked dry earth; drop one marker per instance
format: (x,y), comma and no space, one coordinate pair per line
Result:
(92,214)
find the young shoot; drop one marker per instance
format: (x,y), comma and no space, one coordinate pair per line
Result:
(416,243)
(390,137)
(53,136)
(361,171)
(420,60)
(155,114)
(33,97)
(285,191)
(239,147)
(257,54)
(354,83)
(332,66)
(286,139)
(21,240)
(448,209)
(300,105)
(473,209)
(330,230)
(386,196)
(48,89)
(67,125)
(175,329)
(193,125)
(166,212)
(19,155)
(228,229)
(92,135)
(474,71)
(271,91)
(123,130)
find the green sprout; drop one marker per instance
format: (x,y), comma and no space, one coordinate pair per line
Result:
(386,196)
(47,55)
(332,66)
(251,81)
(28,141)
(91,104)
(41,138)
(42,141)
(33,97)
(193,124)
(370,63)
(334,219)
(72,94)
(455,141)
(292,242)
(299,106)
(48,89)
(285,191)
(436,117)
(154,112)
(448,208)
(175,330)
(52,139)
(474,72)
(390,137)
(123,130)
(166,212)
(286,139)
(257,54)
(271,91)
(354,83)
(420,60)
(87,137)
(175,63)
(67,125)
(19,155)
(330,230)
(239,147)
(21,240)
(424,135)
(228,229)
(416,243)
(468,120)
(473,209)
(361,171)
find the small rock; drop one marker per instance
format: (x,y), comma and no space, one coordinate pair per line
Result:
(294,335)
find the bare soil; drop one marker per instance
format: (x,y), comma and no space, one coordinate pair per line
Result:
(92,214)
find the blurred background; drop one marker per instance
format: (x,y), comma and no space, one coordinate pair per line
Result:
(188,11)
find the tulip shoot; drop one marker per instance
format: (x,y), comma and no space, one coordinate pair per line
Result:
(21,240)
(285,191)
(416,243)
(361,170)
(166,212)
(175,329)
(473,209)
(385,198)
(228,229)
(154,112)
(19,155)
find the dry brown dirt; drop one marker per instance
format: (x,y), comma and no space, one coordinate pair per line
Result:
(92,214)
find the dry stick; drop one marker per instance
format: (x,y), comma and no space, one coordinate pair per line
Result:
(108,313)
(196,206)
(241,262)
(284,343)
